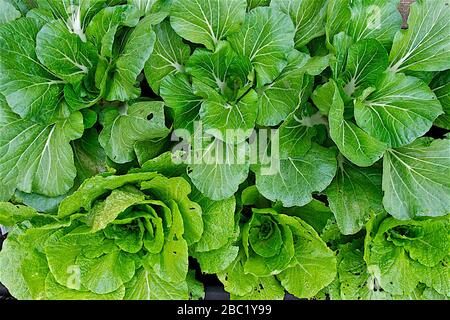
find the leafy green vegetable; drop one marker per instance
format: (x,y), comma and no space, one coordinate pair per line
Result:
(282,146)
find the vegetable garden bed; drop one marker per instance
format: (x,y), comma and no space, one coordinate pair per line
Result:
(103,201)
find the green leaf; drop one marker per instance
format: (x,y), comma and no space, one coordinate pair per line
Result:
(177,189)
(123,127)
(102,30)
(441,88)
(31,90)
(89,156)
(425,45)
(220,169)
(232,123)
(104,212)
(11,214)
(235,280)
(313,265)
(376,19)
(169,55)
(299,177)
(216,261)
(207,21)
(64,53)
(265,288)
(366,62)
(137,48)
(55,291)
(8,12)
(355,193)
(394,113)
(296,134)
(415,179)
(308,17)
(107,273)
(222,69)
(218,220)
(177,92)
(93,188)
(355,144)
(35,157)
(16,259)
(280,98)
(266,37)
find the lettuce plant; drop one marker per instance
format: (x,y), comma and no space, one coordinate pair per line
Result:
(116,237)
(296,146)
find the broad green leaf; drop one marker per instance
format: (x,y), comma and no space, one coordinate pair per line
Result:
(308,17)
(313,265)
(95,187)
(219,170)
(415,179)
(235,280)
(136,51)
(280,98)
(266,37)
(218,260)
(16,259)
(64,53)
(146,285)
(8,12)
(105,24)
(171,264)
(30,89)
(222,70)
(231,122)
(366,62)
(89,156)
(107,273)
(395,113)
(169,55)
(395,271)
(218,220)
(355,144)
(354,281)
(425,45)
(177,92)
(364,19)
(374,19)
(35,157)
(265,288)
(11,214)
(441,87)
(123,127)
(207,21)
(55,291)
(299,177)
(354,193)
(168,164)
(296,134)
